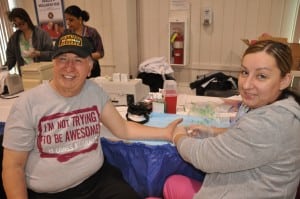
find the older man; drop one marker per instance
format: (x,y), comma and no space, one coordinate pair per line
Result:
(51,138)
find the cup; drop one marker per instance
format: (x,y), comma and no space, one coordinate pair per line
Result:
(170,96)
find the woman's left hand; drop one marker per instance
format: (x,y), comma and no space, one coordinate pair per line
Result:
(171,128)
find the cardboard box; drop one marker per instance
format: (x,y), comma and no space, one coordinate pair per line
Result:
(269,37)
(295,47)
(265,37)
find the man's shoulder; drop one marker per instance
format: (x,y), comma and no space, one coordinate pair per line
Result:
(39,90)
(91,83)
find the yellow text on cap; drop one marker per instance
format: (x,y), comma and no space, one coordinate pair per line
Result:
(70,40)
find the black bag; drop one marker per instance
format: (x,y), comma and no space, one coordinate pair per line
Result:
(215,84)
(153,80)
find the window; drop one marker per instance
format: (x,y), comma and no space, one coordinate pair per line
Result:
(5,27)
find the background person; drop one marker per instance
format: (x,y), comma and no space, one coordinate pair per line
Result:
(75,18)
(259,156)
(29,43)
(51,141)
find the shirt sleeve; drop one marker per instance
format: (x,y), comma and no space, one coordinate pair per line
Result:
(19,132)
(11,51)
(248,144)
(43,42)
(96,40)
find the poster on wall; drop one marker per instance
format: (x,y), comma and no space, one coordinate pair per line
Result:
(50,16)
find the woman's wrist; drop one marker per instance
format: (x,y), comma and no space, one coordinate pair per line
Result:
(177,137)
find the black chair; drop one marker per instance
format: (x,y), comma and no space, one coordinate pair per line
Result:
(2,193)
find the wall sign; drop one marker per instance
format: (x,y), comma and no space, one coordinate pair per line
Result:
(50,16)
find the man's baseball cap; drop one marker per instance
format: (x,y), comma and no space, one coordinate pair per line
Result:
(72,43)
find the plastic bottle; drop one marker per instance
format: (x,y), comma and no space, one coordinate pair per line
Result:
(170,96)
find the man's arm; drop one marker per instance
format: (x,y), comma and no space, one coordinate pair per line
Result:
(130,130)
(13,174)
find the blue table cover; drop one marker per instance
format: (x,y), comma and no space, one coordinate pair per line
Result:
(145,167)
(146,164)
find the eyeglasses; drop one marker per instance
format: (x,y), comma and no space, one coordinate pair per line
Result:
(17,25)
(77,61)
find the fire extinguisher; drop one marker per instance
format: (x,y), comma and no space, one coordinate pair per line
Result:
(178,49)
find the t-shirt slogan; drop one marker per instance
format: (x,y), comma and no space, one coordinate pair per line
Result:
(65,135)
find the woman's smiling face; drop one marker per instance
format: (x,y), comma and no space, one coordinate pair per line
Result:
(260,81)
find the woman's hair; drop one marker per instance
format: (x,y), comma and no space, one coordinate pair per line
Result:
(283,57)
(77,12)
(21,14)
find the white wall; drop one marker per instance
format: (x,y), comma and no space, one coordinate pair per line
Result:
(218,46)
(134,30)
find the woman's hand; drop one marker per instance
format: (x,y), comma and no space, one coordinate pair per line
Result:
(172,128)
(179,132)
(200,131)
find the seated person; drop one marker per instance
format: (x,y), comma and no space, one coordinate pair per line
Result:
(52,135)
(258,156)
